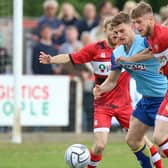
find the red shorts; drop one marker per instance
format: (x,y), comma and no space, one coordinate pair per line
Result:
(103,116)
(163,109)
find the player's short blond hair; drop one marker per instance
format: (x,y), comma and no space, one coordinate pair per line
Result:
(141,9)
(107,21)
(48,3)
(121,17)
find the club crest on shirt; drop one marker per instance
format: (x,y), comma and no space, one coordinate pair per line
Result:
(156,47)
(166,108)
(103,55)
(95,123)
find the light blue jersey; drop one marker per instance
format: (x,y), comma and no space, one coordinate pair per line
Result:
(148,81)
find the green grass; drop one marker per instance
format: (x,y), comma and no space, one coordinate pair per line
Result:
(50,155)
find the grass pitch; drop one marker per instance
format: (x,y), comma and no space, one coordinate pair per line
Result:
(51,155)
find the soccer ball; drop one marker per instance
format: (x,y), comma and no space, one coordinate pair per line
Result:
(77,156)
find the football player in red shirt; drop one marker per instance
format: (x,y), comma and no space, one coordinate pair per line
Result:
(157,37)
(114,103)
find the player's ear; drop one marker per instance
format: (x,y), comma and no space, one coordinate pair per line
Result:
(150,17)
(104,29)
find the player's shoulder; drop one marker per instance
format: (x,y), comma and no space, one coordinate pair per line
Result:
(119,50)
(161,30)
(101,44)
(140,42)
(139,38)
(94,46)
(97,46)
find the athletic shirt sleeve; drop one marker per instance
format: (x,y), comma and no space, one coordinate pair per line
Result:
(84,55)
(146,43)
(114,65)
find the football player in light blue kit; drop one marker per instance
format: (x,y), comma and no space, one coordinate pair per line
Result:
(150,84)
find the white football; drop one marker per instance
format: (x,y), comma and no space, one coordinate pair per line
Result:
(77,156)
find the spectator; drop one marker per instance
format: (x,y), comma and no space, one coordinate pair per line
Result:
(88,82)
(114,11)
(98,32)
(50,9)
(165,22)
(89,20)
(85,38)
(68,14)
(128,6)
(158,18)
(105,8)
(164,13)
(72,43)
(46,45)
(5,59)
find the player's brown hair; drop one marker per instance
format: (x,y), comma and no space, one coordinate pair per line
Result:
(121,17)
(141,9)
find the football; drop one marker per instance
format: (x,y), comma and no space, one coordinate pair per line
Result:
(77,156)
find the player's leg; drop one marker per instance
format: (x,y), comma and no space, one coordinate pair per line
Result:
(135,140)
(100,141)
(102,123)
(123,116)
(161,134)
(161,127)
(156,158)
(144,116)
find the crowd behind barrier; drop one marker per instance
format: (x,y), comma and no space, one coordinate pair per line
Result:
(61,29)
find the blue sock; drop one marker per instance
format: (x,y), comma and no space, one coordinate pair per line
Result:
(144,157)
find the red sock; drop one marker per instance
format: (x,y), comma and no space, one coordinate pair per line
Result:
(156,159)
(94,160)
(164,147)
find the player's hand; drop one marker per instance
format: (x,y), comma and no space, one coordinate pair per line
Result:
(44,58)
(122,59)
(97,92)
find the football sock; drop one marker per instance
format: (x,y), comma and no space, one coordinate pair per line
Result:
(143,155)
(94,160)
(156,159)
(164,147)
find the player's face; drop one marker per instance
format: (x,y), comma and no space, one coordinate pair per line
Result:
(123,33)
(142,24)
(111,35)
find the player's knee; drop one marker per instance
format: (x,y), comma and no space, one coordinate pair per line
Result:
(132,143)
(100,147)
(158,138)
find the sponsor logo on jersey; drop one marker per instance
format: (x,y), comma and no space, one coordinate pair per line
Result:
(101,68)
(135,67)
(162,57)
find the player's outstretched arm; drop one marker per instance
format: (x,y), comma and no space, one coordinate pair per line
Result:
(58,59)
(142,56)
(108,84)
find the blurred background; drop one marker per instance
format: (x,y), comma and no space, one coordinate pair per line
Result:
(55,99)
(55,27)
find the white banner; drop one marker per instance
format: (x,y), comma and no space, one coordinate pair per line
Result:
(45,100)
